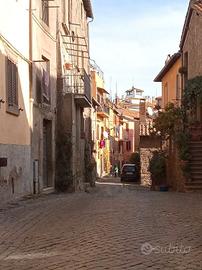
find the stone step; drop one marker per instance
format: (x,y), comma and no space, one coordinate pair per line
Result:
(196,158)
(193,155)
(196,177)
(195,142)
(194,172)
(194,188)
(194,183)
(196,163)
(195,149)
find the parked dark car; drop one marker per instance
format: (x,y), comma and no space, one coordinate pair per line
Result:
(129,172)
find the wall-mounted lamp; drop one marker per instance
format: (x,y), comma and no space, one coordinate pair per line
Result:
(2,101)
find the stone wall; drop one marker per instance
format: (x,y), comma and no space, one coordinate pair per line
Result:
(175,177)
(148,144)
(16,177)
(192,45)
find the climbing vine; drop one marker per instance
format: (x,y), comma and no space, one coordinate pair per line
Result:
(192,93)
(170,124)
(64,175)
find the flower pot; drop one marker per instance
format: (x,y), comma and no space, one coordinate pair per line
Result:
(68,66)
(163,188)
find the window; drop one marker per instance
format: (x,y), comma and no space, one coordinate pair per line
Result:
(98,133)
(177,87)
(165,95)
(98,98)
(114,119)
(185,65)
(120,146)
(81,10)
(12,87)
(82,127)
(128,145)
(46,80)
(45,12)
(102,131)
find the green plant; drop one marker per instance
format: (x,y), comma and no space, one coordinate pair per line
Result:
(157,168)
(192,93)
(172,124)
(168,121)
(64,175)
(182,140)
(135,159)
(90,163)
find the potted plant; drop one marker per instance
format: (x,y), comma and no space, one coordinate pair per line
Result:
(157,168)
(183,70)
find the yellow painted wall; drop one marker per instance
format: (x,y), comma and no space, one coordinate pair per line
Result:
(15,129)
(15,45)
(169,82)
(99,81)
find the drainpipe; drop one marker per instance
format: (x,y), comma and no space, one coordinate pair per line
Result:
(30,92)
(89,38)
(30,47)
(89,73)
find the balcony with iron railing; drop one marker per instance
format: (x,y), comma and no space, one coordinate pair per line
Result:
(103,111)
(80,85)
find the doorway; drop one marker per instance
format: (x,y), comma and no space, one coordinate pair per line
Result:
(47,154)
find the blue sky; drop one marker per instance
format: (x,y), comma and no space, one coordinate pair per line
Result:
(131,39)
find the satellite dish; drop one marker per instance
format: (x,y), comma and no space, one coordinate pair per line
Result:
(150,111)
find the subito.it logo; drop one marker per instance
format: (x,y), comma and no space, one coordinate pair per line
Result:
(146,249)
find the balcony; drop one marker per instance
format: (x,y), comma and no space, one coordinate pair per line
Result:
(103,111)
(80,85)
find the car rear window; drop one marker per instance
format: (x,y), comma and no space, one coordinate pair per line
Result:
(129,169)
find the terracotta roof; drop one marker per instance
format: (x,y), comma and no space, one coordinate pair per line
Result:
(167,66)
(88,8)
(193,5)
(128,113)
(102,90)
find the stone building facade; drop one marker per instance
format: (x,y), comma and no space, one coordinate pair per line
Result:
(190,46)
(43,93)
(45,77)
(74,94)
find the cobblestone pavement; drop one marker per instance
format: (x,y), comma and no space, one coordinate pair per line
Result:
(112,227)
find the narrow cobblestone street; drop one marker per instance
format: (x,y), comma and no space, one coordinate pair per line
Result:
(114,226)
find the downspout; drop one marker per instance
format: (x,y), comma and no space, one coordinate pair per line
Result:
(92,19)
(30,92)
(90,79)
(30,47)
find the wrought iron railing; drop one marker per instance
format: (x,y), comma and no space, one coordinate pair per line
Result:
(103,108)
(78,83)
(87,84)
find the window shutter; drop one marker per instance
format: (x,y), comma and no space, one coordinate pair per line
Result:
(9,82)
(14,85)
(38,89)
